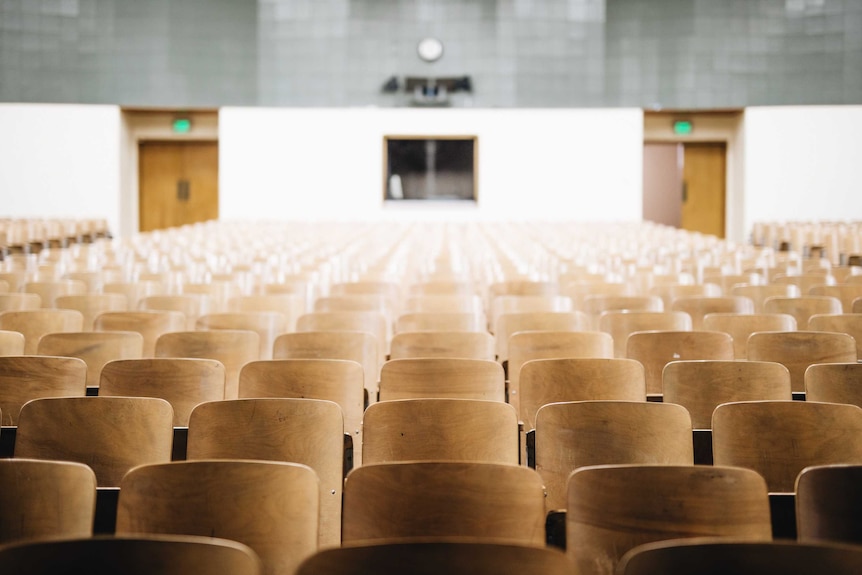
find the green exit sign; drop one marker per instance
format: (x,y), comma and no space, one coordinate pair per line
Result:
(182,125)
(682,127)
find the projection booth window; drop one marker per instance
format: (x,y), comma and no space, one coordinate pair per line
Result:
(439,168)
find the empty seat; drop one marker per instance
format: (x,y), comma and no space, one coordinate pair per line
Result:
(371,322)
(699,306)
(595,305)
(454,557)
(45,499)
(796,350)
(834,383)
(266,324)
(192,306)
(545,381)
(110,434)
(719,556)
(183,382)
(459,378)
(759,293)
(137,554)
(447,344)
(33,324)
(270,506)
(614,508)
(442,321)
(829,503)
(337,380)
(440,429)
(620,324)
(849,323)
(740,326)
(91,305)
(232,347)
(570,435)
(95,348)
(26,377)
(306,431)
(702,385)
(780,438)
(846,292)
(17,301)
(48,291)
(418,499)
(11,342)
(509,323)
(149,323)
(802,307)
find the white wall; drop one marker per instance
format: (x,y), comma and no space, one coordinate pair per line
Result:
(60,161)
(803,163)
(328,163)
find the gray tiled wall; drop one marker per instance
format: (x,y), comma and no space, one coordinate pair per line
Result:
(518,53)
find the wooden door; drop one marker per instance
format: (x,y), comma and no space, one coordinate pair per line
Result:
(704,188)
(178,183)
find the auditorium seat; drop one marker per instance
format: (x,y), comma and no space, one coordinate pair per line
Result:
(509,323)
(26,377)
(266,324)
(440,429)
(699,306)
(829,503)
(443,321)
(17,301)
(741,325)
(33,324)
(614,508)
(96,348)
(780,438)
(454,378)
(802,307)
(575,434)
(620,324)
(91,305)
(442,344)
(388,502)
(149,323)
(270,506)
(834,383)
(759,293)
(305,431)
(849,323)
(11,342)
(183,382)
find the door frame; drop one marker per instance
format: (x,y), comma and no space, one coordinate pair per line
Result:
(149,124)
(721,126)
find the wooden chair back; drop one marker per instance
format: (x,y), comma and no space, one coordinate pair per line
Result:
(443,344)
(33,324)
(24,484)
(796,350)
(444,303)
(48,290)
(371,322)
(110,434)
(671,292)
(267,324)
(149,323)
(849,323)
(454,557)
(621,324)
(655,349)
(455,378)
(270,506)
(132,555)
(337,380)
(134,291)
(718,556)
(698,306)
(740,326)
(846,292)
(26,377)
(759,293)
(571,435)
(528,345)
(442,287)
(11,342)
(181,381)
(409,500)
(829,503)
(440,429)
(802,307)
(595,305)
(192,306)
(18,301)
(834,383)
(306,431)
(96,348)
(579,290)
(503,304)
(509,323)
(440,321)
(232,347)
(545,381)
(608,513)
(778,439)
(291,305)
(702,385)
(92,304)
(357,346)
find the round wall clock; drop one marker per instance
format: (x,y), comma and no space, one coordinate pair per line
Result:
(430,49)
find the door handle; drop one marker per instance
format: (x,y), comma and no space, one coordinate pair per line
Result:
(183,190)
